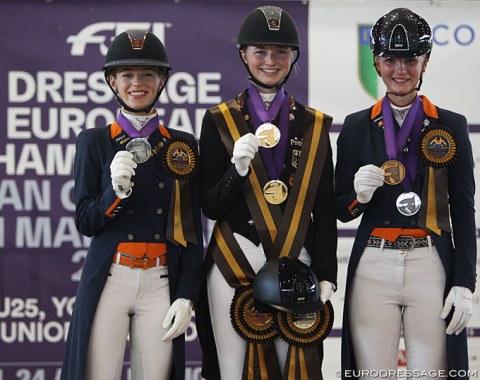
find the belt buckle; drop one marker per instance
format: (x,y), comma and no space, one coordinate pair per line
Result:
(410,243)
(139,263)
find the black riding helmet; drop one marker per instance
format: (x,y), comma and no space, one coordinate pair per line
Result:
(401,33)
(136,48)
(268,25)
(287,284)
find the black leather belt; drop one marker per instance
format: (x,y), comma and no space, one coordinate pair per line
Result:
(404,243)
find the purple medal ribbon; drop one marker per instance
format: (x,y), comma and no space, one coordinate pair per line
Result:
(274,158)
(131,131)
(395,143)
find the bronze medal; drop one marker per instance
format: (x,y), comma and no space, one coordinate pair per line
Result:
(408,203)
(250,324)
(268,134)
(275,192)
(306,330)
(394,172)
(140,148)
(179,158)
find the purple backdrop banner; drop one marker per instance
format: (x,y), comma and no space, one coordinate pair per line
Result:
(52,87)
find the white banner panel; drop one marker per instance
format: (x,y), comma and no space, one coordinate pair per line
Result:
(452,78)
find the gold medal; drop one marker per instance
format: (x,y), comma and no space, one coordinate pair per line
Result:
(140,148)
(275,192)
(394,172)
(268,134)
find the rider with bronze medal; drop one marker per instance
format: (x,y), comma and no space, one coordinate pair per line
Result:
(412,267)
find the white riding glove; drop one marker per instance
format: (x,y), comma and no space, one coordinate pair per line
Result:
(461,299)
(122,169)
(178,318)
(326,290)
(243,152)
(367,179)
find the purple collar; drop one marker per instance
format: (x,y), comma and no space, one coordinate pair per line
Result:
(131,131)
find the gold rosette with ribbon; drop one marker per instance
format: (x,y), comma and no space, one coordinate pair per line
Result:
(250,324)
(180,160)
(439,149)
(259,330)
(306,330)
(303,333)
(438,146)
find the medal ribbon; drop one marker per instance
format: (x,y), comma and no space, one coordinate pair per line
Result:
(285,231)
(270,220)
(273,158)
(395,142)
(131,131)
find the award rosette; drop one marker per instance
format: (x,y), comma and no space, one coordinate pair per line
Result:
(250,324)
(179,158)
(305,330)
(438,146)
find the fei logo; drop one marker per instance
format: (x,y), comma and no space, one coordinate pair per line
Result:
(367,73)
(94,34)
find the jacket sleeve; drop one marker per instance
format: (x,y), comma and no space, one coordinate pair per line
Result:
(95,200)
(221,184)
(324,262)
(348,162)
(191,256)
(461,191)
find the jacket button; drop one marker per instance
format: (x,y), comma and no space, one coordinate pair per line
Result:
(387,222)
(130,236)
(159,211)
(161,185)
(157,236)
(251,222)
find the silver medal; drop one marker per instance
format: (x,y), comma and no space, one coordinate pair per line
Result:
(408,203)
(140,148)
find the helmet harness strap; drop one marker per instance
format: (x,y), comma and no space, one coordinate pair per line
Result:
(133,110)
(277,86)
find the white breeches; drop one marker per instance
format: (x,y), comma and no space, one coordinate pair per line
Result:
(135,302)
(230,346)
(394,289)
